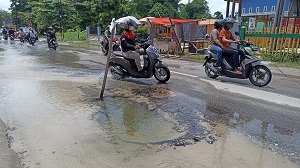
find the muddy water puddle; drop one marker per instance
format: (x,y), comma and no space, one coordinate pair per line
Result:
(278,139)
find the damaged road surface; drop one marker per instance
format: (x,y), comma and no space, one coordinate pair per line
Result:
(52,116)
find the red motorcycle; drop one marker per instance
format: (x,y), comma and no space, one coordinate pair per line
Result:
(105,45)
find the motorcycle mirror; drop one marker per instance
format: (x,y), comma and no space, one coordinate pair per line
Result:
(237,33)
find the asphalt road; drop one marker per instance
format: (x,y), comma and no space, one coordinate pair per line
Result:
(269,115)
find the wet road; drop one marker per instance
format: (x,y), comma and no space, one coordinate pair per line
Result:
(49,105)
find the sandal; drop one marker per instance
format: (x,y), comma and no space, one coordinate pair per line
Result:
(238,72)
(219,68)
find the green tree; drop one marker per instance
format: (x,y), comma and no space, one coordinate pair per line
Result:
(166,10)
(218,15)
(4,16)
(197,9)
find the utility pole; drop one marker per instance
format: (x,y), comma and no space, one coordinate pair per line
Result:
(227,8)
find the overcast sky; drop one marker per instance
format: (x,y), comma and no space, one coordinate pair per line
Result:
(214,5)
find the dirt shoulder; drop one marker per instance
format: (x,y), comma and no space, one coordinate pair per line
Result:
(8,157)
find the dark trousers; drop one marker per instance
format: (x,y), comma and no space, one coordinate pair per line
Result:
(234,54)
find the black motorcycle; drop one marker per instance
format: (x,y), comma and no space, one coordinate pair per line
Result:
(22,40)
(52,43)
(31,40)
(122,67)
(12,38)
(257,72)
(5,36)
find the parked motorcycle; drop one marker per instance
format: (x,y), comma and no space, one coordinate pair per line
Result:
(122,67)
(52,43)
(105,45)
(257,72)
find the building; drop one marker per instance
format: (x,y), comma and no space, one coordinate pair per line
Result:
(263,13)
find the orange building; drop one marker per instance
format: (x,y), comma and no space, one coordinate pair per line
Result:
(209,23)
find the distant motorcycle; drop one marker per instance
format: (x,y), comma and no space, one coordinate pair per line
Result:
(5,36)
(31,40)
(52,43)
(12,37)
(105,45)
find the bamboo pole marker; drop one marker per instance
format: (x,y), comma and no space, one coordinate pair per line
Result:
(112,29)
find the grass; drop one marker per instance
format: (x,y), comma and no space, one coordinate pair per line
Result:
(287,64)
(193,57)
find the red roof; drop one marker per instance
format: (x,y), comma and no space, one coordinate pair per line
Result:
(166,21)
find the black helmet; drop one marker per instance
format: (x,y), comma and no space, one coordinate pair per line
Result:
(218,24)
(227,21)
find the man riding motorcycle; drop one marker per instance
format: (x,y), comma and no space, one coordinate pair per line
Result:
(5,34)
(226,38)
(50,34)
(129,48)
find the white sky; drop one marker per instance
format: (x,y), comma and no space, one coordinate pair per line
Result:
(214,5)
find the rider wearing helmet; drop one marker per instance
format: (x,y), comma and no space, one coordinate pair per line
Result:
(226,38)
(30,34)
(50,34)
(128,40)
(215,45)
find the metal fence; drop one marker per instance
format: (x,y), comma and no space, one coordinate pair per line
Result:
(93,34)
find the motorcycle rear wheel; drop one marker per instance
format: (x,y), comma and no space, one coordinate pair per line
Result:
(208,71)
(260,73)
(162,74)
(116,71)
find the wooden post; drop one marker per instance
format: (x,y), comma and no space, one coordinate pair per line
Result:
(107,63)
(153,31)
(175,34)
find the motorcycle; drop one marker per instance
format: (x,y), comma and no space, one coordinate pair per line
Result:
(257,72)
(12,37)
(122,67)
(5,36)
(105,45)
(31,41)
(22,40)
(52,43)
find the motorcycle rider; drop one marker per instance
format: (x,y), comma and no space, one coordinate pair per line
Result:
(11,32)
(30,34)
(226,37)
(215,45)
(4,32)
(130,50)
(50,34)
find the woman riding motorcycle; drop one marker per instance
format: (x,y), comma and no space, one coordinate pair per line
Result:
(129,48)
(215,45)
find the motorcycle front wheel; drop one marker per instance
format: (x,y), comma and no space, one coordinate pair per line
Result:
(105,52)
(162,74)
(260,75)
